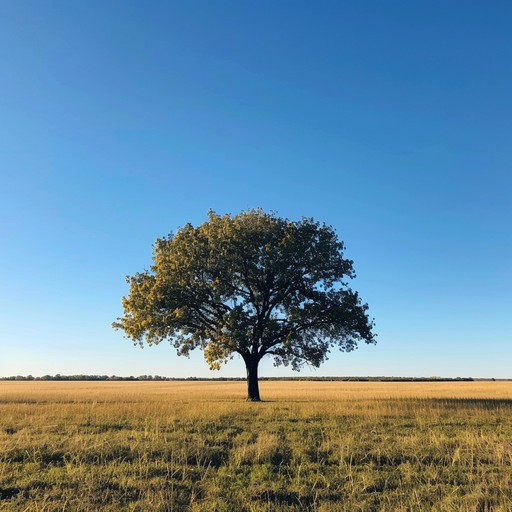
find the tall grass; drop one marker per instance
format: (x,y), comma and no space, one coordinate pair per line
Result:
(172,446)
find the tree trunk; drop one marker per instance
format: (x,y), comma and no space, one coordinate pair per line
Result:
(251,363)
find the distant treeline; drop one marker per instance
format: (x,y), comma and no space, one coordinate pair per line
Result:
(59,377)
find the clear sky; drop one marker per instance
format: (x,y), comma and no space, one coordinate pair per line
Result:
(391,121)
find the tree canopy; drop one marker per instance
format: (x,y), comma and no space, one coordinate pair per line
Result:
(253,284)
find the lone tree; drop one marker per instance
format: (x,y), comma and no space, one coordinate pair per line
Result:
(252,284)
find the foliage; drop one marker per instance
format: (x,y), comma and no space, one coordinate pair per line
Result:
(252,284)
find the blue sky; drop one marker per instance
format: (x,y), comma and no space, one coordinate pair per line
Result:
(391,121)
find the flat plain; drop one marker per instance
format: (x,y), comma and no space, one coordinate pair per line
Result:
(198,446)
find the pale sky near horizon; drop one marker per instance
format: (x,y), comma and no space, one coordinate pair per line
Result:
(390,121)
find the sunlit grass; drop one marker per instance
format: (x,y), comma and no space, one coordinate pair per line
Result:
(162,446)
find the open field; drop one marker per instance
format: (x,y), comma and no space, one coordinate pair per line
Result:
(171,446)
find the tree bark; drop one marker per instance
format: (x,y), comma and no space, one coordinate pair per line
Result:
(251,363)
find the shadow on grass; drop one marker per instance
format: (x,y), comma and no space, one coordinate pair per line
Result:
(8,493)
(485,403)
(477,403)
(287,498)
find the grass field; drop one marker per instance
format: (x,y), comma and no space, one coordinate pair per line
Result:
(171,446)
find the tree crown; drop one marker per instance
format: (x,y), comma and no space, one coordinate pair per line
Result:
(252,284)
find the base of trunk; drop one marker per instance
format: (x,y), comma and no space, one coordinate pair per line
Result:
(251,364)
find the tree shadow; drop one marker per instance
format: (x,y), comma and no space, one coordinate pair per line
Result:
(477,403)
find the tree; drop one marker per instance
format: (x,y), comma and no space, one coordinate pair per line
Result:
(251,284)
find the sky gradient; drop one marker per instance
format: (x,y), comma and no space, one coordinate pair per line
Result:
(390,121)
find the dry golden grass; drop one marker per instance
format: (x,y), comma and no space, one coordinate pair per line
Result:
(162,446)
